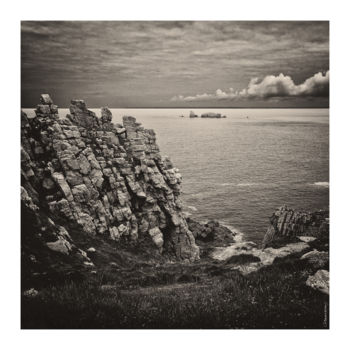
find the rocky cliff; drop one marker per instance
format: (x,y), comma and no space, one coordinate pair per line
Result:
(288,223)
(86,174)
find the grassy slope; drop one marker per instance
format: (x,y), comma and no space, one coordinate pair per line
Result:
(202,295)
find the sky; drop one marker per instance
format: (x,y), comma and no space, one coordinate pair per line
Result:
(176,64)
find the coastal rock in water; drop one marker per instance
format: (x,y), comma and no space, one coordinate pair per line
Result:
(319,281)
(287,222)
(211,115)
(102,180)
(212,231)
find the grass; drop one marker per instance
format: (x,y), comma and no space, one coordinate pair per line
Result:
(203,295)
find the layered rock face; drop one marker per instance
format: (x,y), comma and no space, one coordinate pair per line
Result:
(105,179)
(287,222)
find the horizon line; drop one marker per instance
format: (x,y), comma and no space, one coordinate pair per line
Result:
(193,107)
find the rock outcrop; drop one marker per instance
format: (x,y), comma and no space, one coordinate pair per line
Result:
(265,257)
(287,222)
(211,232)
(317,259)
(103,179)
(290,233)
(319,281)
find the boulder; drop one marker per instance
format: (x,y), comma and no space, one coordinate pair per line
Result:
(317,259)
(106,115)
(30,293)
(63,185)
(45,99)
(211,231)
(319,281)
(61,246)
(157,236)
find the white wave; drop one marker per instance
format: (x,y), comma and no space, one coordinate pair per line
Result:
(239,236)
(321,184)
(193,208)
(244,184)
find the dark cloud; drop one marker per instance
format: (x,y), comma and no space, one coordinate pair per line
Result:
(143,63)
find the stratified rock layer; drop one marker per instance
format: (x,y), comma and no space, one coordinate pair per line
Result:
(286,222)
(105,179)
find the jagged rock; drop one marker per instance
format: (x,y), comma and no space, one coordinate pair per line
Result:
(63,185)
(319,281)
(81,193)
(106,115)
(114,233)
(211,231)
(316,258)
(286,222)
(41,234)
(61,246)
(81,116)
(45,99)
(107,179)
(156,236)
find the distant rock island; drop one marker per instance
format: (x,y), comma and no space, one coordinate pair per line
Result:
(212,115)
(206,115)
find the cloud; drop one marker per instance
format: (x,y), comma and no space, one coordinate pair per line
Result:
(165,58)
(270,86)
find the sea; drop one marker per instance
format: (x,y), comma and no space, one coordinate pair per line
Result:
(239,169)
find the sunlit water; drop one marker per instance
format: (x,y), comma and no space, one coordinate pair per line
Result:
(238,170)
